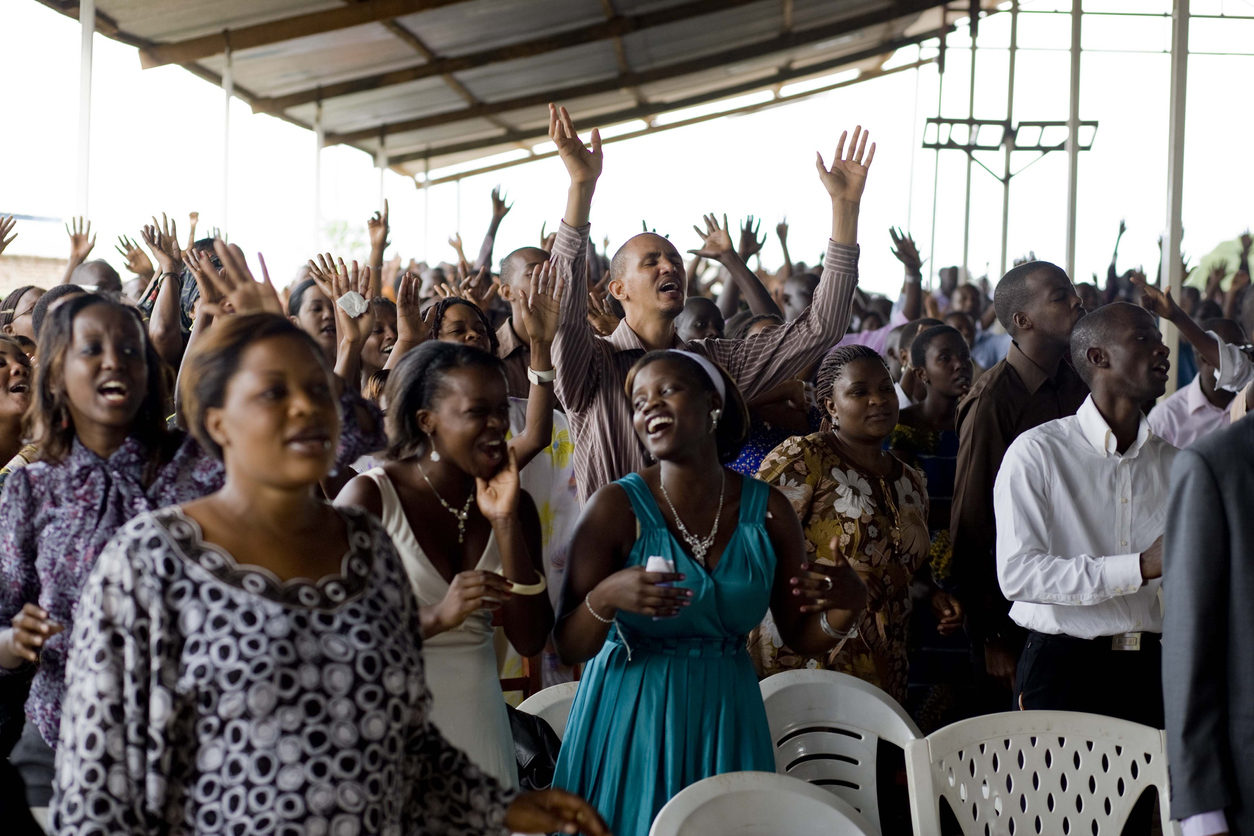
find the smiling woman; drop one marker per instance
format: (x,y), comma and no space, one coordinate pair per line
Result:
(106,455)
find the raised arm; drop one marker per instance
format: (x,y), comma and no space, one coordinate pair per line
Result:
(377,228)
(575,342)
(499,210)
(907,253)
(336,280)
(165,326)
(1162,305)
(781,230)
(81,242)
(759,362)
(541,306)
(717,246)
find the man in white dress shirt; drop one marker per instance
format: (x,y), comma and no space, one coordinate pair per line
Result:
(1081,504)
(1200,408)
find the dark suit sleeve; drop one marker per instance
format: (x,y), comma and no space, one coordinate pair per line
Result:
(1195,640)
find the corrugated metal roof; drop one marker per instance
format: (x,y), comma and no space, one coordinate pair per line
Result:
(447,81)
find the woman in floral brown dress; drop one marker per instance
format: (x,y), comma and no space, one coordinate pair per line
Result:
(844,485)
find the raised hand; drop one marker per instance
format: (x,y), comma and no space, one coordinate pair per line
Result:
(715,240)
(905,251)
(6,226)
(497,497)
(1154,300)
(1246,241)
(235,286)
(163,240)
(600,315)
(846,178)
(81,239)
(582,164)
(201,266)
(1123,227)
(781,230)
(336,279)
(750,244)
(455,241)
(542,303)
(193,218)
(411,327)
(377,230)
(499,207)
(136,261)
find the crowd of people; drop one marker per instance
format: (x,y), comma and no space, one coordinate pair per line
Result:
(264,554)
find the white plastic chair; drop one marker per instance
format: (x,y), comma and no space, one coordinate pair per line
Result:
(1036,772)
(757,804)
(552,705)
(826,727)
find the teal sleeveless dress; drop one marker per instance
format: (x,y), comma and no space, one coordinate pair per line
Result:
(666,703)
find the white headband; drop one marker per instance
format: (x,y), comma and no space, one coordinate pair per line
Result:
(710,370)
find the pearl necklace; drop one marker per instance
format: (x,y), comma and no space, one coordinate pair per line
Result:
(699,545)
(461,515)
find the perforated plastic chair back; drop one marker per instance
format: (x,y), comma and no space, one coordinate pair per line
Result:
(826,727)
(552,705)
(757,804)
(1036,772)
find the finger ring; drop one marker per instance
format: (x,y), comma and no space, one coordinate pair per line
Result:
(827,583)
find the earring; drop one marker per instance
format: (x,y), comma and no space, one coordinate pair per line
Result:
(435,457)
(715,414)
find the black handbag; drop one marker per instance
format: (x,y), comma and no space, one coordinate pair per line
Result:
(535,749)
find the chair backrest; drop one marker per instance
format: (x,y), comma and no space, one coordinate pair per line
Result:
(826,727)
(1033,772)
(552,705)
(757,804)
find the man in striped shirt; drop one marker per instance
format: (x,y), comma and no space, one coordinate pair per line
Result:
(647,277)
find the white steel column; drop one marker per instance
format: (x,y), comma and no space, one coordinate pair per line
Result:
(1073,135)
(971,134)
(87,23)
(1172,275)
(1010,120)
(228,90)
(320,138)
(940,98)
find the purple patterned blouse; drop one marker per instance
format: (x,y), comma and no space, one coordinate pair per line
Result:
(54,521)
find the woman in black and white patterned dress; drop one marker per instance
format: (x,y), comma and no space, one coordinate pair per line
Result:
(213,687)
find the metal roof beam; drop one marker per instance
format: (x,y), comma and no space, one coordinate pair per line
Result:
(614,27)
(283,29)
(780,43)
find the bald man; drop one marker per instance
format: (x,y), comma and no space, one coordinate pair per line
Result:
(648,279)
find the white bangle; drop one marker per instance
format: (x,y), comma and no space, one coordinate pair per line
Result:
(832,632)
(528,589)
(541,377)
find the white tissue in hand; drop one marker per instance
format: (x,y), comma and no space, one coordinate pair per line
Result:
(353,303)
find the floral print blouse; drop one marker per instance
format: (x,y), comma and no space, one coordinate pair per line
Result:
(881,527)
(55,518)
(207,696)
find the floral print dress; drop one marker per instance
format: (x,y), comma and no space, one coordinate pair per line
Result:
(881,528)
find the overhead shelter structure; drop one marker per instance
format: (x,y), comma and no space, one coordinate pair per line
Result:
(431,85)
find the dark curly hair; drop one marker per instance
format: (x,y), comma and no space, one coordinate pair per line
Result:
(442,307)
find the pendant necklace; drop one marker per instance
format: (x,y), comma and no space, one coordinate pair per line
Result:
(461,514)
(699,545)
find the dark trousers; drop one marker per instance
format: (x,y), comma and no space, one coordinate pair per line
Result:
(1069,674)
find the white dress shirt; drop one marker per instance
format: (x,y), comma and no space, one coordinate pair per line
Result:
(1236,370)
(1073,516)
(1185,416)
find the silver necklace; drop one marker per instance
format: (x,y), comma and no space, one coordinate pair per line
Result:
(699,545)
(460,514)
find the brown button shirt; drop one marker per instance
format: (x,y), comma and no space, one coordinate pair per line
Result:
(516,354)
(591,370)
(1012,397)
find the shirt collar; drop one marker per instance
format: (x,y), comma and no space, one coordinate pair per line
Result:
(625,339)
(1099,434)
(1195,398)
(508,340)
(1032,375)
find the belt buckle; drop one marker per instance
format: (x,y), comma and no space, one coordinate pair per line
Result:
(1126,641)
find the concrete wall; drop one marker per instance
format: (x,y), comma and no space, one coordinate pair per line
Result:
(18,270)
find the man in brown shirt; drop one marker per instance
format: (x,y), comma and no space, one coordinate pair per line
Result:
(514,343)
(1038,306)
(648,278)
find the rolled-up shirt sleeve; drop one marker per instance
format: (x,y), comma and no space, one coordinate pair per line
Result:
(1236,370)
(1026,570)
(577,379)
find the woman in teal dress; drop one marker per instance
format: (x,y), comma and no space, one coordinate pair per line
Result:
(671,696)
